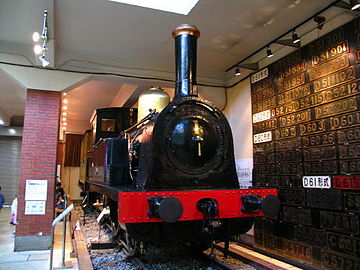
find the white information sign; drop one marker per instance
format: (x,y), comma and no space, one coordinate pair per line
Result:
(36,190)
(258,76)
(261,116)
(244,169)
(316,181)
(35,207)
(263,137)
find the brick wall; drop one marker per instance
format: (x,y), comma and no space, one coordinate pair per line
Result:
(38,157)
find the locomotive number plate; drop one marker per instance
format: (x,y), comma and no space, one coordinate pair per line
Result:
(349,166)
(344,243)
(323,167)
(289,168)
(312,127)
(261,116)
(296,215)
(310,235)
(341,106)
(258,95)
(334,79)
(345,120)
(285,133)
(329,199)
(316,182)
(263,137)
(340,222)
(295,93)
(352,201)
(295,118)
(319,139)
(289,144)
(264,126)
(349,151)
(298,251)
(293,70)
(329,54)
(329,67)
(346,182)
(333,260)
(350,135)
(326,41)
(320,153)
(292,196)
(264,104)
(292,82)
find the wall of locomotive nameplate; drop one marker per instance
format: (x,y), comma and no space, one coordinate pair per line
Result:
(306,142)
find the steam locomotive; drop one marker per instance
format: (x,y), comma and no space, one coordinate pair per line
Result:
(171,177)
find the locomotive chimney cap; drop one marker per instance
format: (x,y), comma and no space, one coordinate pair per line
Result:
(186,29)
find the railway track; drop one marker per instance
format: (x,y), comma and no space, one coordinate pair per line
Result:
(97,251)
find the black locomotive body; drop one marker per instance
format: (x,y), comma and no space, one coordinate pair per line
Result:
(178,179)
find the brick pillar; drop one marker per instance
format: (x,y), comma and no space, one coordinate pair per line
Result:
(38,162)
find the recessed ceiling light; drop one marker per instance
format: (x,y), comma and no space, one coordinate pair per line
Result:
(64,113)
(65,101)
(65,107)
(175,6)
(12,131)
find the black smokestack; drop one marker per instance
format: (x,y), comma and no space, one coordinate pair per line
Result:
(185,51)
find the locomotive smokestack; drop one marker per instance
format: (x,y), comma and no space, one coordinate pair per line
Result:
(185,50)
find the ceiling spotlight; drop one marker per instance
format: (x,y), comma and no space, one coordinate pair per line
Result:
(65,101)
(237,72)
(65,124)
(295,38)
(269,53)
(65,107)
(36,36)
(12,131)
(64,118)
(64,113)
(38,49)
(43,61)
(64,94)
(354,4)
(64,128)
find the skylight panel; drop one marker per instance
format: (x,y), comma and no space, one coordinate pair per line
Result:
(175,6)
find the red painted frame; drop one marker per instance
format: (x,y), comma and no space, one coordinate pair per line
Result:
(133,206)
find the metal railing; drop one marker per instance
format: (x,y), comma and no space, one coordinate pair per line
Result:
(62,216)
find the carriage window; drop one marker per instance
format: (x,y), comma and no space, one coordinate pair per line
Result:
(108,125)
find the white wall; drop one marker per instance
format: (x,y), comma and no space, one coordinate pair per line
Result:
(238,113)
